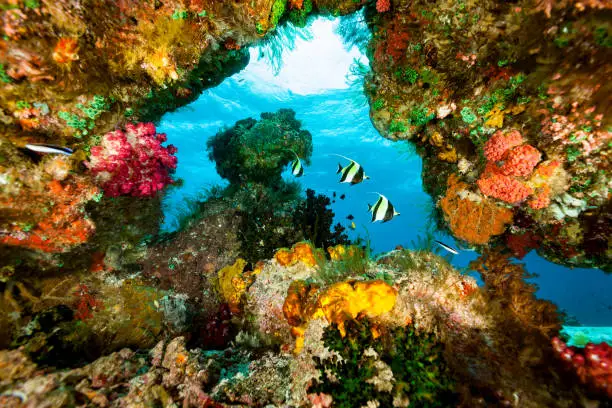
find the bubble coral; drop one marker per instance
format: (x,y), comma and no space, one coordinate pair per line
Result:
(593,364)
(133,162)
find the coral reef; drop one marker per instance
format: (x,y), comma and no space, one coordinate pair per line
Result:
(426,335)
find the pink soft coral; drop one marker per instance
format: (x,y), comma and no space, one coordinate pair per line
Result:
(497,146)
(133,162)
(520,161)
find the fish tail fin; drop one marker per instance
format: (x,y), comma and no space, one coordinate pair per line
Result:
(339,168)
(369,207)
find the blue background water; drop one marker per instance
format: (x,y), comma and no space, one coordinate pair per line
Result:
(315,82)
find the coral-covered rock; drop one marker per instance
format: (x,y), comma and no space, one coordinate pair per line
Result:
(133,162)
(63,224)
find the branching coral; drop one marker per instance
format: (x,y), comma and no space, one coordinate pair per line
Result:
(133,162)
(471,217)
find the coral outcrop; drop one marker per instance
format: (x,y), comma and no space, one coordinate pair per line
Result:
(493,91)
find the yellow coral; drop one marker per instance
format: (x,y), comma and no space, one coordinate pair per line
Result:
(495,117)
(341,302)
(300,252)
(340,252)
(232,284)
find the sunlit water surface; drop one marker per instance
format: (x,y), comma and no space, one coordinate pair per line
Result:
(315,82)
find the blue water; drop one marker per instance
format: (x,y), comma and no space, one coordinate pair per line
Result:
(315,82)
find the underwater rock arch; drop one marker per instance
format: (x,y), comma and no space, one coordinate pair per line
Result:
(526,70)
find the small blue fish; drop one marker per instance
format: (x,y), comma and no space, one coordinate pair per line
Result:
(382,210)
(49,148)
(352,173)
(447,247)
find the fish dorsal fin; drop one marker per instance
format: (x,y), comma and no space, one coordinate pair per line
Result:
(344,157)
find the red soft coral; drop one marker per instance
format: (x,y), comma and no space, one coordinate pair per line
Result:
(520,161)
(593,364)
(503,187)
(500,143)
(133,162)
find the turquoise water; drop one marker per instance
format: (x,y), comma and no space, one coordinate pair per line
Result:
(315,82)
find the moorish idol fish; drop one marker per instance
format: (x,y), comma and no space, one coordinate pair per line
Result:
(382,210)
(48,148)
(353,173)
(296,166)
(353,226)
(448,248)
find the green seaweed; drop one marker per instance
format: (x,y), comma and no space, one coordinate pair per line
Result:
(416,360)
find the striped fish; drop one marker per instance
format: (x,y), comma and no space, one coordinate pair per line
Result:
(447,247)
(48,148)
(353,173)
(382,210)
(296,167)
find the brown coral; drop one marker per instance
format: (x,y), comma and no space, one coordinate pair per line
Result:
(506,283)
(472,218)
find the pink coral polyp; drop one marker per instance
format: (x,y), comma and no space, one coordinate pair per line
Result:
(133,162)
(521,161)
(503,187)
(497,146)
(383,6)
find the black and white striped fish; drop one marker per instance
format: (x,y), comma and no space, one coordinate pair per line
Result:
(353,173)
(382,210)
(296,167)
(447,247)
(48,148)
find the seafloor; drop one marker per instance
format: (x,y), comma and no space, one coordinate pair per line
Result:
(258,298)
